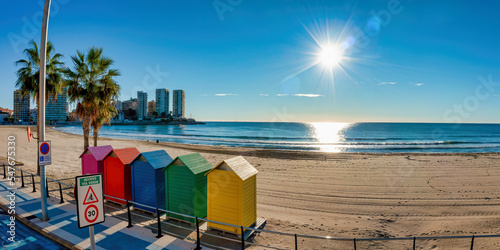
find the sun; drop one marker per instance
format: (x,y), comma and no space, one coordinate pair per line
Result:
(330,56)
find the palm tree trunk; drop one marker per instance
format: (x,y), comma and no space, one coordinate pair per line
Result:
(86,130)
(96,134)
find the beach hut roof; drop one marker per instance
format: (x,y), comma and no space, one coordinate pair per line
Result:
(99,152)
(241,167)
(157,159)
(195,162)
(126,155)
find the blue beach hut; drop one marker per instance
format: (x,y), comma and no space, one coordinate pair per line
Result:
(148,179)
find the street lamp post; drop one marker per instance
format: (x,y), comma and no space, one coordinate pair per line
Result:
(41,98)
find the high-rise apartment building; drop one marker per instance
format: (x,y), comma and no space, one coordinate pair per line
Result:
(56,109)
(178,103)
(162,101)
(21,107)
(142,104)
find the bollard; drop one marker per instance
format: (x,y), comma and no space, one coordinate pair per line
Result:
(242,238)
(296,246)
(33,181)
(22,179)
(472,243)
(47,188)
(159,224)
(198,241)
(414,239)
(129,215)
(354,240)
(61,194)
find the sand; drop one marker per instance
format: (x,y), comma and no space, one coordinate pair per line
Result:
(336,194)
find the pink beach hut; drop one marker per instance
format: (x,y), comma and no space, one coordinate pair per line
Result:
(93,159)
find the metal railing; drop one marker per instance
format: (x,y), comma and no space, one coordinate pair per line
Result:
(242,242)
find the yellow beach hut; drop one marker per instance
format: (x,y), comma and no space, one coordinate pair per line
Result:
(232,194)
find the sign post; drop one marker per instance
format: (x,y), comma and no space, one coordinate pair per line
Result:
(44,153)
(90,203)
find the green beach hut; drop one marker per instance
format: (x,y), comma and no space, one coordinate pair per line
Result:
(186,186)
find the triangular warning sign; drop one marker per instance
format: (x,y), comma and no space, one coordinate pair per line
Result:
(90,197)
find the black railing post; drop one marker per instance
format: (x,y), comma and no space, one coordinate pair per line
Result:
(4,173)
(414,245)
(61,194)
(198,241)
(129,215)
(354,240)
(472,243)
(296,245)
(22,179)
(159,223)
(242,238)
(47,188)
(33,181)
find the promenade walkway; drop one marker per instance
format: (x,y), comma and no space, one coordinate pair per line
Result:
(63,226)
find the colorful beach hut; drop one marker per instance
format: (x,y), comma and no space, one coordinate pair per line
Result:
(186,186)
(92,159)
(232,194)
(117,181)
(148,179)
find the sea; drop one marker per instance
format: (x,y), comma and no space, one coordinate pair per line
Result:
(324,137)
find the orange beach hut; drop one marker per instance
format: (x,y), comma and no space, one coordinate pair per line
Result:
(117,180)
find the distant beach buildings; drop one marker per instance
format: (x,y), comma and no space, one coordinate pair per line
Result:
(56,109)
(178,103)
(162,100)
(21,107)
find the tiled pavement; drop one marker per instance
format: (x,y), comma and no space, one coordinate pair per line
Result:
(63,225)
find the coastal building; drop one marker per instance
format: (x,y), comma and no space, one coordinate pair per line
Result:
(232,194)
(129,104)
(21,107)
(56,110)
(148,179)
(3,116)
(8,111)
(178,103)
(142,104)
(151,108)
(186,186)
(162,100)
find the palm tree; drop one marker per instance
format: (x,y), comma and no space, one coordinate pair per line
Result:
(28,76)
(91,84)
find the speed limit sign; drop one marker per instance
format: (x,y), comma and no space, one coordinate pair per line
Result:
(89,198)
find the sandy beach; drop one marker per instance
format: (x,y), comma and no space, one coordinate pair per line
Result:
(334,194)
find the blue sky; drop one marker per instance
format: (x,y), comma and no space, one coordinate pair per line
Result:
(241,60)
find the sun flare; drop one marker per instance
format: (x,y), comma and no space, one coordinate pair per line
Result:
(330,56)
